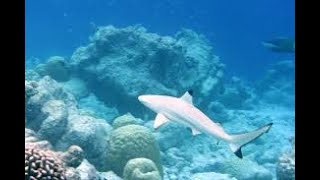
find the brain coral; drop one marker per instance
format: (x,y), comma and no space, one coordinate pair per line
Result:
(124,120)
(132,141)
(43,164)
(141,169)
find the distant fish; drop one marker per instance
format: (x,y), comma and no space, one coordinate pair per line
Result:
(182,110)
(280,45)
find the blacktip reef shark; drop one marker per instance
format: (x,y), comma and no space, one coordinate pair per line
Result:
(280,45)
(182,110)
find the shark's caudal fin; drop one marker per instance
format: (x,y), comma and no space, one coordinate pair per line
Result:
(239,140)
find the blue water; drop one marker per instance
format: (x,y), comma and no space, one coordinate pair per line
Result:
(235,28)
(94,96)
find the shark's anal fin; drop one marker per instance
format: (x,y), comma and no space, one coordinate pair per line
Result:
(160,120)
(195,131)
(187,97)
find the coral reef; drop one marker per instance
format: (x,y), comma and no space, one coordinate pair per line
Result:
(41,164)
(71,104)
(172,135)
(122,60)
(237,95)
(286,165)
(211,176)
(76,87)
(44,90)
(141,169)
(92,106)
(132,141)
(244,169)
(32,140)
(110,175)
(31,75)
(73,156)
(56,68)
(278,83)
(124,120)
(53,114)
(87,171)
(53,127)
(72,174)
(90,134)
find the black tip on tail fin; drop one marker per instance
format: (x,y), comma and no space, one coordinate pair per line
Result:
(238,153)
(240,140)
(190,91)
(269,125)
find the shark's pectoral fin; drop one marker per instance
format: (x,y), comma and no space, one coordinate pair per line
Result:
(195,131)
(160,120)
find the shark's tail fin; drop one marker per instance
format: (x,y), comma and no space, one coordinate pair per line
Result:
(239,140)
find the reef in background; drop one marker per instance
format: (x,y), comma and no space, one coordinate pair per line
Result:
(79,101)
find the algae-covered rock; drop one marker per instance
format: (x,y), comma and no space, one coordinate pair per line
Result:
(131,61)
(132,141)
(141,169)
(56,68)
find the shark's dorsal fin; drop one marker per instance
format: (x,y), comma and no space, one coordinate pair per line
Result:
(187,96)
(195,131)
(160,120)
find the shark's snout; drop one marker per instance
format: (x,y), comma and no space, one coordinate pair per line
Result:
(143,99)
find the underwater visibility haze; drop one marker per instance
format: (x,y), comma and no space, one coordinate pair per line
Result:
(160,90)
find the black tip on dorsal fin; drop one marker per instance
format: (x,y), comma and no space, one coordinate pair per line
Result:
(238,153)
(190,91)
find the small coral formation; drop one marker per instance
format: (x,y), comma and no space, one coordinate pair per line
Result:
(132,141)
(244,169)
(211,176)
(87,171)
(56,68)
(53,127)
(286,165)
(73,156)
(32,140)
(90,134)
(141,169)
(43,164)
(124,120)
(110,175)
(30,89)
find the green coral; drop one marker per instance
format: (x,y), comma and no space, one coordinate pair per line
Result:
(141,169)
(132,141)
(124,120)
